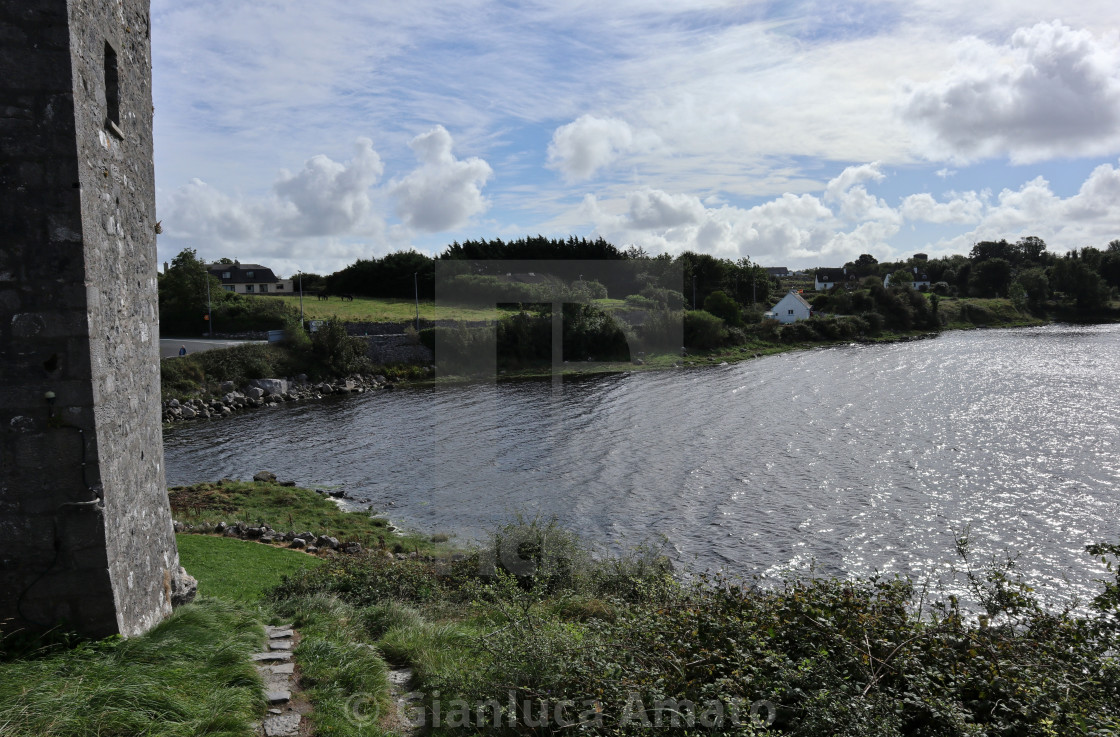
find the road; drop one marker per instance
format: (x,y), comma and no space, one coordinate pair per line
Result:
(170,347)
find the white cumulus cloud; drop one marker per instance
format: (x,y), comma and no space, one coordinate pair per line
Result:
(923,207)
(444,192)
(587,144)
(1051,91)
(328,197)
(325,198)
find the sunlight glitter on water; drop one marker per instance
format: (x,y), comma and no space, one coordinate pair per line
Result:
(852,459)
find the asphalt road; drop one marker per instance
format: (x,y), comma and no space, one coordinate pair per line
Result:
(169,347)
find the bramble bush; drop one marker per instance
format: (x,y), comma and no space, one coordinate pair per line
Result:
(874,656)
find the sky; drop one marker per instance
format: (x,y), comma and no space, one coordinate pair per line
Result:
(304,136)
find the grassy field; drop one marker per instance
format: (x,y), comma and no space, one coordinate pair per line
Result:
(365,309)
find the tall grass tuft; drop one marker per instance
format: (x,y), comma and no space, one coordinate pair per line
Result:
(189,676)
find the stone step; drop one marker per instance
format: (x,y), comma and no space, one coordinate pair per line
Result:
(283,669)
(279,644)
(279,696)
(278,632)
(286,725)
(274,657)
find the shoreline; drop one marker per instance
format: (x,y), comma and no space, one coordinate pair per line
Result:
(213,407)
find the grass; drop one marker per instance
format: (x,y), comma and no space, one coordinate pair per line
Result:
(343,675)
(368,309)
(238,570)
(284,508)
(826,656)
(966,313)
(189,676)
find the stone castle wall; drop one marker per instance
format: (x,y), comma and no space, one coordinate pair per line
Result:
(79,403)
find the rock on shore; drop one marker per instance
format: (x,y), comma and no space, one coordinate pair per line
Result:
(266,393)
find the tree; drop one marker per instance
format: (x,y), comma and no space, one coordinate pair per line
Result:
(722,306)
(991,278)
(902,278)
(1036,286)
(1031,248)
(865,265)
(183,294)
(985,250)
(1079,282)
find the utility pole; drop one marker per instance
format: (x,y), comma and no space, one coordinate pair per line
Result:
(416,289)
(301,300)
(694,291)
(209,312)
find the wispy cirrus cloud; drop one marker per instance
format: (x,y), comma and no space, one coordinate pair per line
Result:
(706,124)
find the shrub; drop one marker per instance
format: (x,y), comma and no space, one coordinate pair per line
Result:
(723,307)
(537,552)
(670,299)
(703,330)
(639,302)
(335,352)
(662,332)
(591,333)
(180,376)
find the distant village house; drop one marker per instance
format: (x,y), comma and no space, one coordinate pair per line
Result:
(921,279)
(790,308)
(828,278)
(249,279)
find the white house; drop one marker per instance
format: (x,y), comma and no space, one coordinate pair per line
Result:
(790,308)
(249,279)
(921,279)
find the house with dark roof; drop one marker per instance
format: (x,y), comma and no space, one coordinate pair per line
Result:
(828,278)
(777,271)
(249,279)
(790,308)
(921,279)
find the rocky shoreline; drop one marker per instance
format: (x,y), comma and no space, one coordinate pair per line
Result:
(266,393)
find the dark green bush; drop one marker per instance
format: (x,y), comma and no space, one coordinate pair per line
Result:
(723,307)
(670,299)
(180,376)
(335,353)
(590,333)
(637,301)
(703,330)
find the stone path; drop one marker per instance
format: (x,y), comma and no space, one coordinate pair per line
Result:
(278,674)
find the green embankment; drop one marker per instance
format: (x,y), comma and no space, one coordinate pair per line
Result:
(286,509)
(536,617)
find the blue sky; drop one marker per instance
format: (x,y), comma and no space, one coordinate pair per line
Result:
(308,135)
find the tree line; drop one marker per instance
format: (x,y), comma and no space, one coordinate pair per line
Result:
(1085,279)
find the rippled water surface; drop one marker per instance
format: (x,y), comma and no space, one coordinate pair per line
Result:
(858,458)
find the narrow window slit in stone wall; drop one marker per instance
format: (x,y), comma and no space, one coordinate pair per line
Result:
(112,92)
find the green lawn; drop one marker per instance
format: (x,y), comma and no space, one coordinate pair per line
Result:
(365,309)
(238,570)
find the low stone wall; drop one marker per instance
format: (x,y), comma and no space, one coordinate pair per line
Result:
(400,348)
